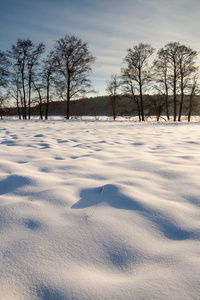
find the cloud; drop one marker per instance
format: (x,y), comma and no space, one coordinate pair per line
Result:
(109,26)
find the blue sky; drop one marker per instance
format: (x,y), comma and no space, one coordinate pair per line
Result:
(109,26)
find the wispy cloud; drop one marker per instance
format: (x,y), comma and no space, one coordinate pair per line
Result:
(109,26)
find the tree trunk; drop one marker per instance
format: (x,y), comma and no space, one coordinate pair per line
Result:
(190,103)
(40,108)
(139,114)
(68,97)
(29,98)
(40,105)
(175,98)
(167,100)
(18,109)
(114,108)
(189,115)
(141,104)
(141,96)
(22,105)
(137,101)
(24,96)
(190,107)
(181,102)
(47,104)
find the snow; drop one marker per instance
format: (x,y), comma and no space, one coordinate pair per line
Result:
(99,210)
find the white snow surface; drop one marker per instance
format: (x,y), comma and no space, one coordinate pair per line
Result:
(99,210)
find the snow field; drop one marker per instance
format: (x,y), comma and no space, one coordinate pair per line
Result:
(99,210)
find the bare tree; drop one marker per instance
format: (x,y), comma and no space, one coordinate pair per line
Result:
(73,61)
(14,91)
(19,57)
(187,68)
(179,64)
(34,55)
(25,57)
(130,90)
(137,69)
(112,88)
(161,77)
(48,70)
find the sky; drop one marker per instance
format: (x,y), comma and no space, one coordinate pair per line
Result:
(109,27)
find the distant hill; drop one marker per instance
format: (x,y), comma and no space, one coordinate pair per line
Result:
(94,106)
(101,106)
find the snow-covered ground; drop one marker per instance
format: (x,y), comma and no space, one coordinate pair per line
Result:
(99,210)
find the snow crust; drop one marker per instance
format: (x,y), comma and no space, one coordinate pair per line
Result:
(99,210)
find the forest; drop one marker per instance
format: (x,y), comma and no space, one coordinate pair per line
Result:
(35,83)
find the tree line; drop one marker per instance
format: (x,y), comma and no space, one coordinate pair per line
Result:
(170,80)
(29,77)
